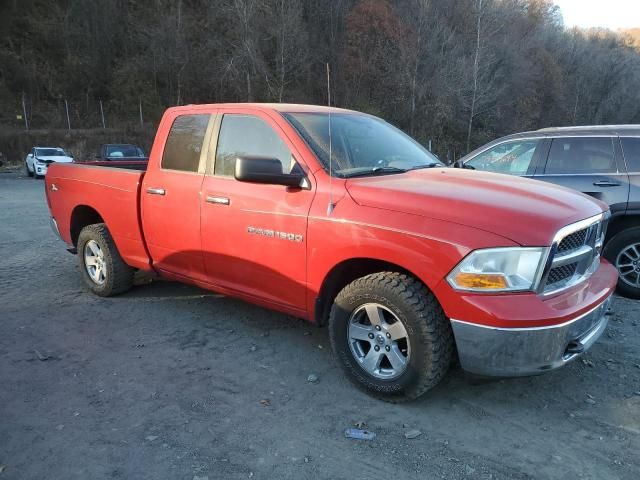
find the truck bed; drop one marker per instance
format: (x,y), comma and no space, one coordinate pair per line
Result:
(107,194)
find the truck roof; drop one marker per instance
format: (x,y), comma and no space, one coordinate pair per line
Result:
(278,107)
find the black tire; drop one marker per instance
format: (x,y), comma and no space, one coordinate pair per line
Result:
(620,242)
(428,331)
(118,275)
(29,172)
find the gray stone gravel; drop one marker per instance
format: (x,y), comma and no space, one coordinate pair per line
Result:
(161,383)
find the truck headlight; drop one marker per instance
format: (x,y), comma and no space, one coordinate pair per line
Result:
(509,269)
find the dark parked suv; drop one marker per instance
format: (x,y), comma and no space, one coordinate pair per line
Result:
(601,161)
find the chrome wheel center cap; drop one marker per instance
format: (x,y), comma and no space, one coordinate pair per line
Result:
(380,339)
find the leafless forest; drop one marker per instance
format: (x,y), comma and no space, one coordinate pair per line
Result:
(456,72)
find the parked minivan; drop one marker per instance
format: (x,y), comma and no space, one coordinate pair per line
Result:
(600,161)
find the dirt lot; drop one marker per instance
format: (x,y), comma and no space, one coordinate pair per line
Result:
(167,382)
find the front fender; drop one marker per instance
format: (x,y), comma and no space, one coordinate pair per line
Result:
(427,248)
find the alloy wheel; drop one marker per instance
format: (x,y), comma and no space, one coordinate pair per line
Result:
(378,341)
(94,262)
(628,265)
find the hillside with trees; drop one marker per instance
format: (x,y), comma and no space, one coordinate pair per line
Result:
(456,72)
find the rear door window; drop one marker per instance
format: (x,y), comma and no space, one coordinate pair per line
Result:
(513,158)
(581,155)
(184,143)
(631,151)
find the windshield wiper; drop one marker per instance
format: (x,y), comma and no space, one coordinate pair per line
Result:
(428,165)
(364,171)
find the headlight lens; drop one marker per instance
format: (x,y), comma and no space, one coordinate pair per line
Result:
(499,270)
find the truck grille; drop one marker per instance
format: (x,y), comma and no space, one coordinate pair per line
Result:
(575,254)
(573,241)
(558,274)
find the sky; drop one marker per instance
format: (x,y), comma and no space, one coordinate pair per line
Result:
(612,14)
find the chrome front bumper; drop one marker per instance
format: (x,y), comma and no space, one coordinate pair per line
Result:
(507,352)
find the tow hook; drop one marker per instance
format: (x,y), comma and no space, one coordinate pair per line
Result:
(575,347)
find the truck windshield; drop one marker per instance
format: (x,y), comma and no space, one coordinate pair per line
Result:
(360,144)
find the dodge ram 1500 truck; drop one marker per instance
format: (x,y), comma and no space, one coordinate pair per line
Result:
(337,217)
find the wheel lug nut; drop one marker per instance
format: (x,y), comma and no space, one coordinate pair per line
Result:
(388,335)
(371,336)
(387,348)
(376,348)
(378,327)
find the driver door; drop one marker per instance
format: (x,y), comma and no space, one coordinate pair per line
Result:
(254,235)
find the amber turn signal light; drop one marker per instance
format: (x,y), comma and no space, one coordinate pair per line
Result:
(481,280)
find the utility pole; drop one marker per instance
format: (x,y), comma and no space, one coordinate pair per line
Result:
(24,113)
(102,114)
(140,108)
(66,106)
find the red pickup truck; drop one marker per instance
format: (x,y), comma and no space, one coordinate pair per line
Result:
(337,217)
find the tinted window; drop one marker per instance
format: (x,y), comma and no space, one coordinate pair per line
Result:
(631,149)
(121,151)
(50,152)
(184,144)
(248,135)
(513,158)
(581,155)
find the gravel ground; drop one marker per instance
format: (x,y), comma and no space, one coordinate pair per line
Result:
(170,381)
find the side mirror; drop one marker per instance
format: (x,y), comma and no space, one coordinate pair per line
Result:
(458,164)
(265,170)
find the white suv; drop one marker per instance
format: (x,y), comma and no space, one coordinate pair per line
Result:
(39,159)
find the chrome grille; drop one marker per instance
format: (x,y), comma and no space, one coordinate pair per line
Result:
(558,274)
(574,254)
(573,241)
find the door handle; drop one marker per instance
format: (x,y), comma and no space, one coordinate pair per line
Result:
(156,191)
(606,183)
(218,200)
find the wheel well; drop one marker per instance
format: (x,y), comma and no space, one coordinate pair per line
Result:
(82,216)
(620,223)
(342,275)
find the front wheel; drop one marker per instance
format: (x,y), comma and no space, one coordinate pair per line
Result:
(101,265)
(29,172)
(391,336)
(623,250)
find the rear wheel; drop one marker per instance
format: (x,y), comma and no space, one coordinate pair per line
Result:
(391,336)
(623,251)
(101,266)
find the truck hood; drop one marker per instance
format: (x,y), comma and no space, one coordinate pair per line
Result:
(528,212)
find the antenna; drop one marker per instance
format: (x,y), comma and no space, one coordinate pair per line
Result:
(331,204)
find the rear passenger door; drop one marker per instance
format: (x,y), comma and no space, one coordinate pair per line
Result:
(591,165)
(170,195)
(631,151)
